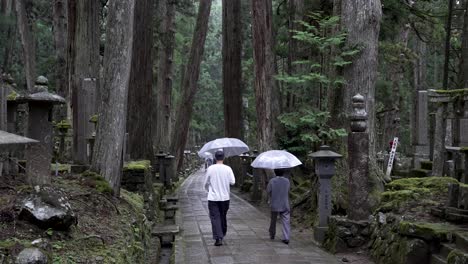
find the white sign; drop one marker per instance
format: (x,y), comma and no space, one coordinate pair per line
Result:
(392,157)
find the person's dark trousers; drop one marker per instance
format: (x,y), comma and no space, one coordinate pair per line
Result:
(218,211)
(285,224)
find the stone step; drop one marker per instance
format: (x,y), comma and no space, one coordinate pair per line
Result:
(456,218)
(461,240)
(170,198)
(163,230)
(446,248)
(456,211)
(438,212)
(420,173)
(437,259)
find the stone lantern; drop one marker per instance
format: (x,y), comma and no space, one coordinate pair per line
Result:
(245,162)
(160,157)
(40,104)
(169,163)
(324,169)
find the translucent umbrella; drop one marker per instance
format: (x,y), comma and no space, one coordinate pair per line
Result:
(206,155)
(276,159)
(230,146)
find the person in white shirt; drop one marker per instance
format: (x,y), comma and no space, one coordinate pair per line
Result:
(218,179)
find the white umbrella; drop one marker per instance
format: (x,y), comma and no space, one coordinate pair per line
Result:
(206,155)
(276,159)
(230,146)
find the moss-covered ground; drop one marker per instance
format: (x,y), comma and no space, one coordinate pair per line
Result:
(109,229)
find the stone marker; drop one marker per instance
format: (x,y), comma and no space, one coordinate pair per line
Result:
(169,164)
(256,195)
(324,169)
(40,127)
(439,131)
(160,158)
(31,256)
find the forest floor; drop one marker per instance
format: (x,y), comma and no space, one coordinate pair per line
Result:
(359,257)
(107,229)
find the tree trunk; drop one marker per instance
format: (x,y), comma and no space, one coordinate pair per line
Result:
(85,74)
(165,70)
(463,72)
(189,83)
(140,143)
(448,32)
(60,20)
(397,70)
(232,68)
(296,9)
(6,9)
(361,20)
(107,158)
(264,69)
(27,41)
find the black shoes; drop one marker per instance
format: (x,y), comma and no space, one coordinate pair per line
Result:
(285,241)
(272,237)
(218,242)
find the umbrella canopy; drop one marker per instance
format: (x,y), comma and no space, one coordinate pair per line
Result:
(276,159)
(230,146)
(206,155)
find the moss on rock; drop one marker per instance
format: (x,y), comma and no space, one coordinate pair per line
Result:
(12,96)
(427,231)
(139,165)
(457,257)
(97,181)
(64,124)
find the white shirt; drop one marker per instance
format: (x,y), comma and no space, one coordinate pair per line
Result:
(217,181)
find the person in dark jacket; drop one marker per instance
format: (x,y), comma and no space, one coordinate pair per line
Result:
(278,191)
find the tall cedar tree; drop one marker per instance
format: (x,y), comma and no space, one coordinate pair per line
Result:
(27,40)
(84,71)
(190,81)
(165,71)
(107,156)
(232,68)
(60,22)
(140,87)
(264,70)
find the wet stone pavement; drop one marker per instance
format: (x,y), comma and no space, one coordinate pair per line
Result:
(247,239)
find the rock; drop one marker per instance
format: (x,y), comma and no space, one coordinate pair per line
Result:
(355,241)
(343,232)
(31,256)
(427,231)
(43,244)
(344,260)
(340,245)
(381,218)
(48,208)
(457,257)
(417,252)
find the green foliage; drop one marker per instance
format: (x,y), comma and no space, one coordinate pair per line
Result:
(139,165)
(97,181)
(306,125)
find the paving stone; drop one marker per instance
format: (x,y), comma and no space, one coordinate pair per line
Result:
(247,239)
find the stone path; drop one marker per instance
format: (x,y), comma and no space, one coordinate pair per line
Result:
(247,239)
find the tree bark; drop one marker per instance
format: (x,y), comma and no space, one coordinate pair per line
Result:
(263,69)
(165,72)
(140,143)
(107,158)
(27,41)
(189,84)
(232,68)
(361,20)
(448,32)
(85,48)
(6,10)
(296,9)
(463,72)
(60,22)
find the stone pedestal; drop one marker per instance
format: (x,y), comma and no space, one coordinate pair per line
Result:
(256,195)
(359,185)
(169,166)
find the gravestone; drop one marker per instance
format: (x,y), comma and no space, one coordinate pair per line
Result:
(421,128)
(440,130)
(39,156)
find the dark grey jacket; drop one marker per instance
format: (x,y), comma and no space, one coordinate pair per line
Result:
(278,190)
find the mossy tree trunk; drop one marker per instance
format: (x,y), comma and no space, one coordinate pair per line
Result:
(108,150)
